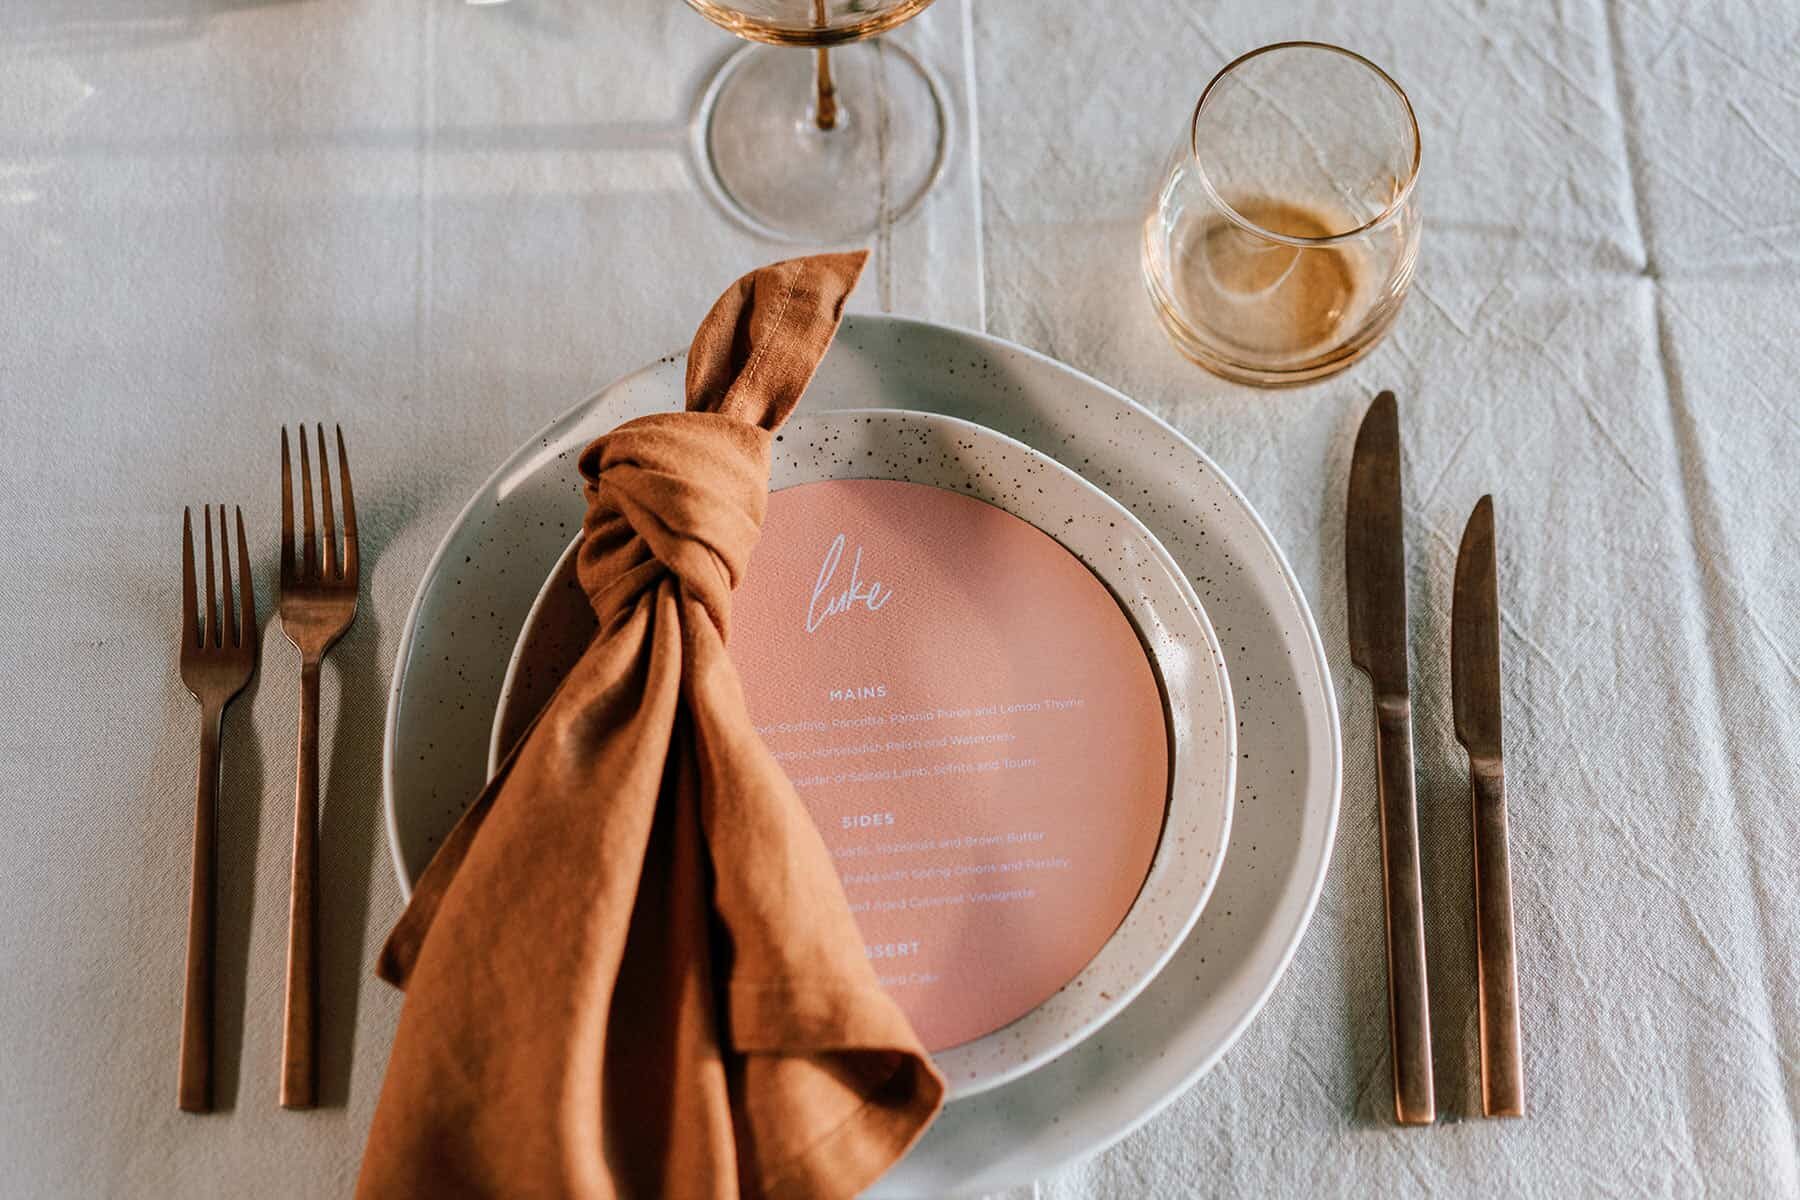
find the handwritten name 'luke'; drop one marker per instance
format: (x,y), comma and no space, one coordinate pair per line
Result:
(827,603)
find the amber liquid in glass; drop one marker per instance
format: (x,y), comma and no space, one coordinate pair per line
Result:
(1264,297)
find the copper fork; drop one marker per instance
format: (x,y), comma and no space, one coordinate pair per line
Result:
(218,656)
(318,602)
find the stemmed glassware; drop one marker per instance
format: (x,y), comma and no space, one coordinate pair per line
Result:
(825,147)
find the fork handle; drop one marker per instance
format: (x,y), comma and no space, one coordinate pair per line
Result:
(194,1090)
(299,1042)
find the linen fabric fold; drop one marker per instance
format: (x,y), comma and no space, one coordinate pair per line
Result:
(630,970)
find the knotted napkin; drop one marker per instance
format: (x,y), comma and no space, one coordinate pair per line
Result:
(630,970)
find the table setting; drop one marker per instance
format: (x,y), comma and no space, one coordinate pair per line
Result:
(936,601)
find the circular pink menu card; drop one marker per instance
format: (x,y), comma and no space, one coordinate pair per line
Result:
(973,722)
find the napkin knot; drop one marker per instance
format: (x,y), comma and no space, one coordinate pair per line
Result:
(672,494)
(681,496)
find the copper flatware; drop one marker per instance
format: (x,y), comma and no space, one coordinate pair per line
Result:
(218,656)
(318,602)
(1475,690)
(1375,567)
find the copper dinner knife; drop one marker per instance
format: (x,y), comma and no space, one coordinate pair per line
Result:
(1475,691)
(1375,569)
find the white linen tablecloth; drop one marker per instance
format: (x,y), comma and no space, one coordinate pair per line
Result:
(442,225)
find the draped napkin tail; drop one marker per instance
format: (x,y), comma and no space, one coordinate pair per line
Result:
(630,970)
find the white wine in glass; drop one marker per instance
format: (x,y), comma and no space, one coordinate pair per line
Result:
(823,147)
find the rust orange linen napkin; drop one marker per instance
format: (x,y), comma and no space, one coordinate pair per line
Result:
(630,970)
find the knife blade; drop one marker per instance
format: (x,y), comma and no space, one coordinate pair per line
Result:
(1375,572)
(1475,694)
(1375,552)
(1475,637)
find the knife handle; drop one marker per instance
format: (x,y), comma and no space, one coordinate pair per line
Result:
(1409,1012)
(1502,1075)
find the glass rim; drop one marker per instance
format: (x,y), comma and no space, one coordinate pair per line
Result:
(1385,216)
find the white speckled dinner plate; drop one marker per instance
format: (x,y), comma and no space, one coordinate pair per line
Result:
(940,451)
(474,597)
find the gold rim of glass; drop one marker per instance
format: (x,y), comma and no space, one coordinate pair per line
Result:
(1382,218)
(777,34)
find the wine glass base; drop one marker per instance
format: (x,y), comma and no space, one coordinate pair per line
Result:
(767,162)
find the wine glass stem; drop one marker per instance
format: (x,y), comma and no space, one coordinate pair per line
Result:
(826,112)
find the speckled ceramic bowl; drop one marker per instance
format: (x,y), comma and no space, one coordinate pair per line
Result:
(973,460)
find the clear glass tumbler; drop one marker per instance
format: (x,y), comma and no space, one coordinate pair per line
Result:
(1282,240)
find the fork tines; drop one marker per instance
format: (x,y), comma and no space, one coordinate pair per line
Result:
(332,567)
(204,631)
